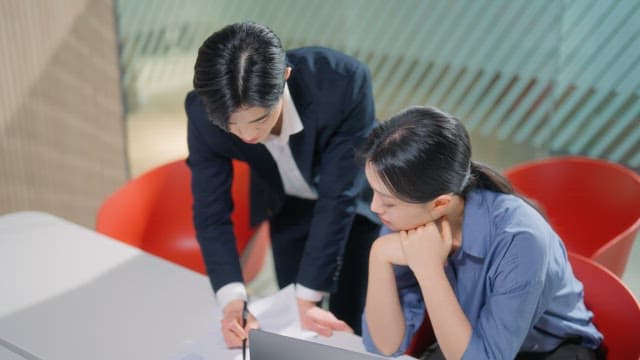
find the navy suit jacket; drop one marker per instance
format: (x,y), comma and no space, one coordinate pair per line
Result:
(333,95)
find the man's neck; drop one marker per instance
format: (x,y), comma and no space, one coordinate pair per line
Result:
(277,128)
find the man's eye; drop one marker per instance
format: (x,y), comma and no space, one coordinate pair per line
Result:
(388,205)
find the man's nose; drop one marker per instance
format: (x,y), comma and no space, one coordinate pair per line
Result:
(246,134)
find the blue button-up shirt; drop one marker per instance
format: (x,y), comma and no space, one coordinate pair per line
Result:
(513,280)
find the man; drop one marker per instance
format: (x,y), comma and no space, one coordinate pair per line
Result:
(297,119)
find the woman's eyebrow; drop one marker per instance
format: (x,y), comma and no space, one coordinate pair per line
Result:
(389,196)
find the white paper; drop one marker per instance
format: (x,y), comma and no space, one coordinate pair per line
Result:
(276,313)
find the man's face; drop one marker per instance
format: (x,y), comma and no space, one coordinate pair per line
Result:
(253,125)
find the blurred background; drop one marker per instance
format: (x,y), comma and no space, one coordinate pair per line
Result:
(92,90)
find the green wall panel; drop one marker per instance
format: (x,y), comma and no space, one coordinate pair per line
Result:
(545,76)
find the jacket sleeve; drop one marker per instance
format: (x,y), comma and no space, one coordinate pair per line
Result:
(211,176)
(340,182)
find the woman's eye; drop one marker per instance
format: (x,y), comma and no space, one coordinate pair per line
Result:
(388,205)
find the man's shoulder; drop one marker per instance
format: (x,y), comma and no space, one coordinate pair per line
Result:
(318,58)
(315,51)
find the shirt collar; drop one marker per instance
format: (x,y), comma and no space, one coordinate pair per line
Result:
(291,122)
(476,226)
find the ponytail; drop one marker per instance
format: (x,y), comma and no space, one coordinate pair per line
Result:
(484,177)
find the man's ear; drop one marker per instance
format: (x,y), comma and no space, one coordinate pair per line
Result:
(287,73)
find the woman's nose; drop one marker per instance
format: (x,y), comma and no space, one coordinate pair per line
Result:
(375,206)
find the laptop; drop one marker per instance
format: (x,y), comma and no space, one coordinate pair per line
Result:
(265,345)
(10,351)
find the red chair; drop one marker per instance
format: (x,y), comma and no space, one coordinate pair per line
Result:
(422,339)
(615,308)
(594,205)
(154,213)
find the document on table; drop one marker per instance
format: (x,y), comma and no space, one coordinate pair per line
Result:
(276,313)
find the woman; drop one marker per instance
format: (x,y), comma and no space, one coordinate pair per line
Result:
(491,273)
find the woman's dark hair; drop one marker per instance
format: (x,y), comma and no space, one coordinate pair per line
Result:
(423,153)
(241,65)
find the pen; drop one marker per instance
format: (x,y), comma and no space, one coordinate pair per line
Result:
(245,313)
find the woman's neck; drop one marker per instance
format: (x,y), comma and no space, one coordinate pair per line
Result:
(456,218)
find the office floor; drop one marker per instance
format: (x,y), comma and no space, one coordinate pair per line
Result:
(159,135)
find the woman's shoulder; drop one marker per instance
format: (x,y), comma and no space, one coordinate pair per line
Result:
(501,204)
(511,216)
(508,231)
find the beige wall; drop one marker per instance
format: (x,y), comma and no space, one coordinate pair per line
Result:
(62,140)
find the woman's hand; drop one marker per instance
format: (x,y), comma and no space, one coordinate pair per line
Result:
(427,245)
(231,324)
(319,320)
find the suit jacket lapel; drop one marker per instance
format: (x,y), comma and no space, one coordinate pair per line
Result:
(302,144)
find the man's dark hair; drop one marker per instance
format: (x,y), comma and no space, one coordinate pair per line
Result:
(241,65)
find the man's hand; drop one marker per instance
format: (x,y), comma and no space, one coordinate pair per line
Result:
(231,324)
(319,320)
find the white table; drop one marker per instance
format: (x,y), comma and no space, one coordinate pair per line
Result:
(67,292)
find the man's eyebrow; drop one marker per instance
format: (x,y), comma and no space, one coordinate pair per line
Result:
(262,117)
(257,119)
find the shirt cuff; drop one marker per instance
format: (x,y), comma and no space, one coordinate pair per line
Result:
(304,293)
(230,292)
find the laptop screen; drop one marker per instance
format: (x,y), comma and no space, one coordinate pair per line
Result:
(265,345)
(9,351)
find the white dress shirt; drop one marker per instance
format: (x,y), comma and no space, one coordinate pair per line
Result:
(294,185)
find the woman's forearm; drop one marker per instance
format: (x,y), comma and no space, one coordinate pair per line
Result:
(384,314)
(450,324)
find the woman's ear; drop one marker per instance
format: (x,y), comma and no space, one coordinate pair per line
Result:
(287,73)
(441,205)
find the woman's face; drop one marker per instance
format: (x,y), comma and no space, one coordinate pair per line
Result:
(253,125)
(395,213)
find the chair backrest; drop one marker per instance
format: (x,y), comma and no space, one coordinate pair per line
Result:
(615,308)
(154,213)
(594,205)
(422,339)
